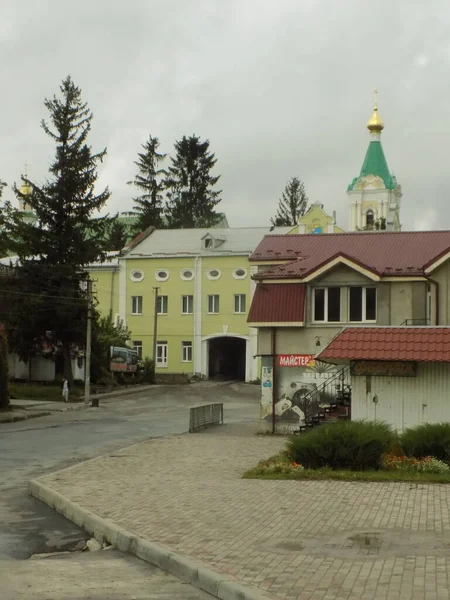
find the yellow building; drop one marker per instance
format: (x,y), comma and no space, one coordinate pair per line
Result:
(204,288)
(316,220)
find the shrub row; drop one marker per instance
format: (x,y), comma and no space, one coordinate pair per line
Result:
(361,445)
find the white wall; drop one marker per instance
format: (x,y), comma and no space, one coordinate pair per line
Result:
(78,371)
(42,369)
(404,401)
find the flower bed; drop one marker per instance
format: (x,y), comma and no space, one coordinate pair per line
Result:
(429,464)
(361,451)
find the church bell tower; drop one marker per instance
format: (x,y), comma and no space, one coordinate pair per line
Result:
(374,196)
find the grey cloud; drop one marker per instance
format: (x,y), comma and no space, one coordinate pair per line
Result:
(280,88)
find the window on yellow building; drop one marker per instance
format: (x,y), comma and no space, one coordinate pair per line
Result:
(138,347)
(161,354)
(136,305)
(213,303)
(187,305)
(239,303)
(162,305)
(186,351)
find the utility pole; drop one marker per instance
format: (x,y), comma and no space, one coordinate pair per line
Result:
(87,364)
(155,328)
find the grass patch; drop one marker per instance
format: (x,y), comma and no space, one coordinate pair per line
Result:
(48,393)
(330,474)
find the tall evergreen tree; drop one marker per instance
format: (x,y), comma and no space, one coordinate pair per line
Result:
(3,237)
(117,236)
(150,180)
(191,195)
(292,205)
(55,250)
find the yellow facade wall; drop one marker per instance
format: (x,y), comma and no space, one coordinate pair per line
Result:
(105,287)
(173,327)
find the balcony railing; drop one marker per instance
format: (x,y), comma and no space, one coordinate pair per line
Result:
(415,323)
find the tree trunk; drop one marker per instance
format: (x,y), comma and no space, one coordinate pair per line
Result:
(67,362)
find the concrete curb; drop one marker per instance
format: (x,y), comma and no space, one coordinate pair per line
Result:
(191,571)
(23,417)
(126,391)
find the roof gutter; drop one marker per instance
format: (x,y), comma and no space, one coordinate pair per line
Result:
(436,288)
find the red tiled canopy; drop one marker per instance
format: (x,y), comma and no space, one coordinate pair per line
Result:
(278,303)
(420,344)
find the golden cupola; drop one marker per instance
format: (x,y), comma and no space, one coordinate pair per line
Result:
(375,123)
(25,191)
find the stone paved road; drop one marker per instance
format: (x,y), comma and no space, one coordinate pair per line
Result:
(296,540)
(106,575)
(31,448)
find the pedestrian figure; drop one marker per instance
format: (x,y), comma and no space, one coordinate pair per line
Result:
(65,389)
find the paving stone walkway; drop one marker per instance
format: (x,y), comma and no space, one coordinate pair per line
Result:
(311,540)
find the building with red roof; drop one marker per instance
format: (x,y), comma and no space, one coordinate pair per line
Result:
(311,287)
(399,375)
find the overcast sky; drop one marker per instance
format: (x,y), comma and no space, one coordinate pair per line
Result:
(281,88)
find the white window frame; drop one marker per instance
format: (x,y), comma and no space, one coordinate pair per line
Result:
(235,273)
(189,298)
(325,312)
(137,304)
(137,275)
(186,352)
(213,299)
(212,277)
(137,345)
(185,277)
(363,301)
(240,299)
(159,278)
(162,354)
(163,299)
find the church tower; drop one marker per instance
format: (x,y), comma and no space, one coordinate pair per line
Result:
(374,196)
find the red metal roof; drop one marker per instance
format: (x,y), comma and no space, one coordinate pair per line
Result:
(421,344)
(278,303)
(384,253)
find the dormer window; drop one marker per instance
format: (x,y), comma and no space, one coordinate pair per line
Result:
(208,243)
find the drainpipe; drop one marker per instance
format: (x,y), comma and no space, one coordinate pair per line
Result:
(274,378)
(436,289)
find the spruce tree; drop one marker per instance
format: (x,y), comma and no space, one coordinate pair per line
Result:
(49,301)
(3,237)
(192,198)
(292,205)
(4,391)
(117,236)
(150,180)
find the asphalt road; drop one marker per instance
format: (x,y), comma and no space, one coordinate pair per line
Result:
(31,448)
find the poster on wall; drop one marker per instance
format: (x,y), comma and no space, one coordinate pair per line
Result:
(266,387)
(297,377)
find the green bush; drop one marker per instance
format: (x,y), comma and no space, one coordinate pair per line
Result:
(429,439)
(147,371)
(4,390)
(354,445)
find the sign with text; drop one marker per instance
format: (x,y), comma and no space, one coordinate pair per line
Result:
(384,368)
(296,360)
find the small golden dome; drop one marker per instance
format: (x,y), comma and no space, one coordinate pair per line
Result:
(25,189)
(375,123)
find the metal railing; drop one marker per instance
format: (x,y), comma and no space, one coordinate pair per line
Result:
(338,385)
(415,322)
(202,416)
